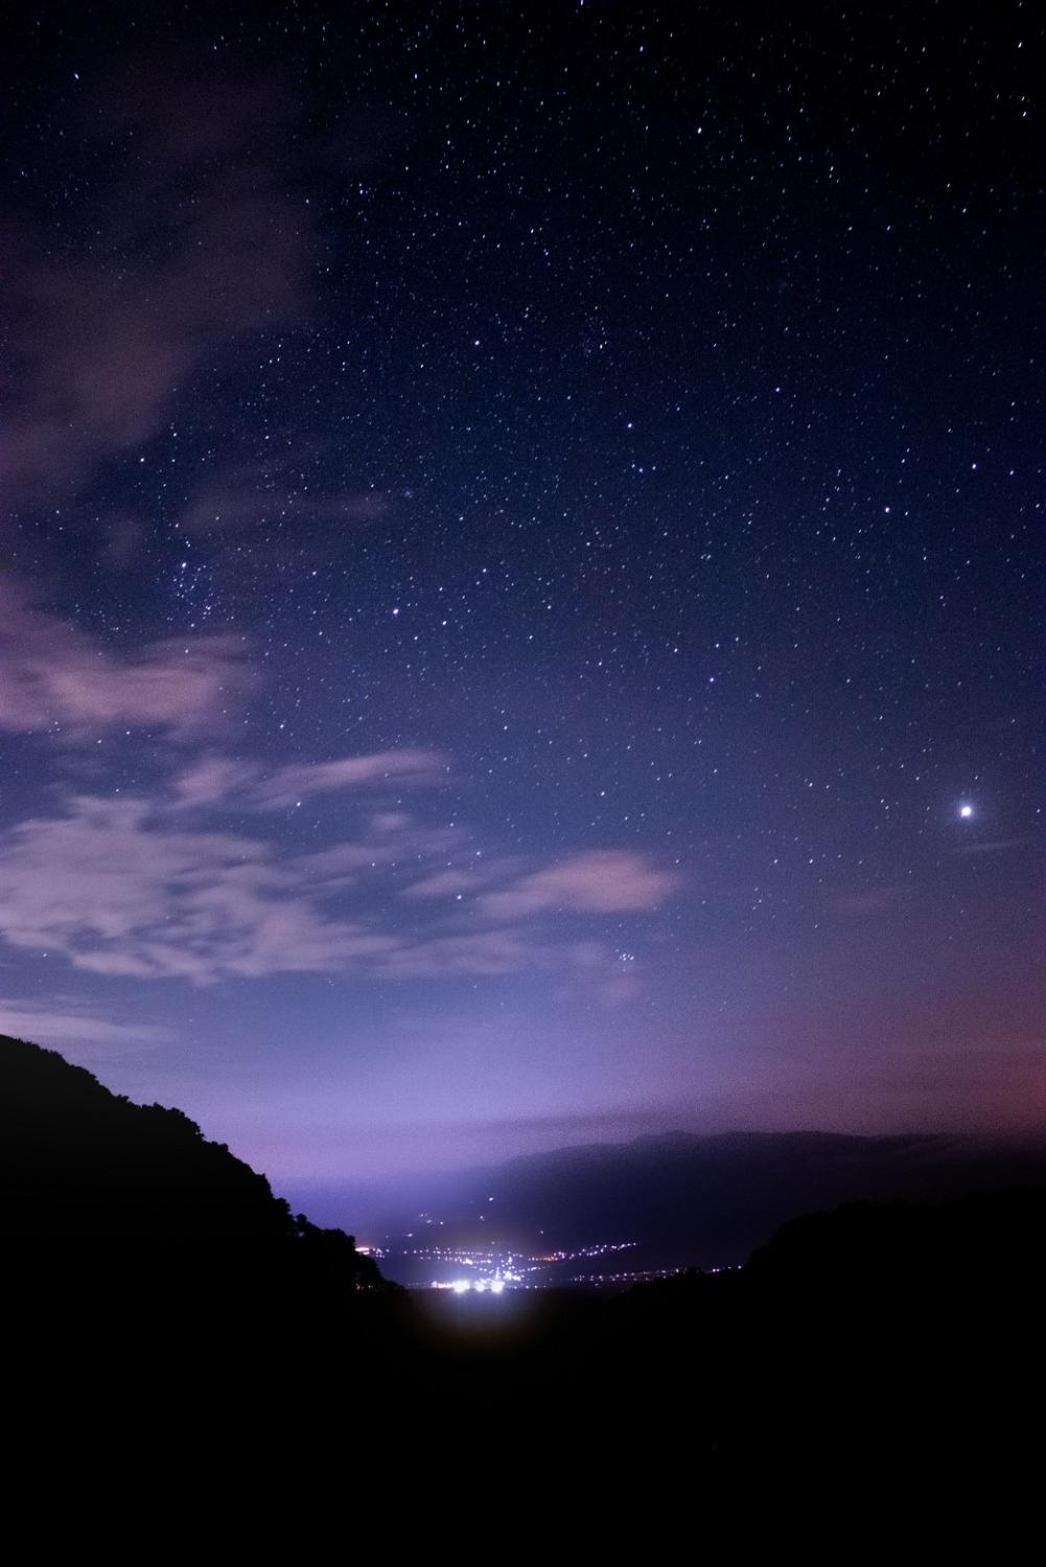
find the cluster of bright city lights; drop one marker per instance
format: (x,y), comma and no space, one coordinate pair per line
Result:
(493,1286)
(486,1270)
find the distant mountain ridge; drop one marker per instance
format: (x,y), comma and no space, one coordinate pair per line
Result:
(712,1199)
(680,1142)
(702,1199)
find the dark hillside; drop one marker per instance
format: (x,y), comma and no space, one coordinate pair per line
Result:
(110,1203)
(77,1160)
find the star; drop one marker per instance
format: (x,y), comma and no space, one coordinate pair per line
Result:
(966,812)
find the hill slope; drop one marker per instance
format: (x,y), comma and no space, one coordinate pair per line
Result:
(134,1192)
(77,1160)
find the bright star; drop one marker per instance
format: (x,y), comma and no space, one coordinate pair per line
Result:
(966,811)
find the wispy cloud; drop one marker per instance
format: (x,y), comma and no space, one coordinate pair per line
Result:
(120,890)
(244,495)
(289,785)
(213,779)
(216,780)
(502,951)
(455,882)
(199,239)
(55,677)
(606,881)
(68,1020)
(134,887)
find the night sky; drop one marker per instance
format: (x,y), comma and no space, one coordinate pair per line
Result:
(522,599)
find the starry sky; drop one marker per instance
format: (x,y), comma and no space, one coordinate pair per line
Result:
(521,605)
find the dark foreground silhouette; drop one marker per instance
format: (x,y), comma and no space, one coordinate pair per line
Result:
(101,1197)
(153,1276)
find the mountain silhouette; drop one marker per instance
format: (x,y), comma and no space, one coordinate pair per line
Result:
(133,1198)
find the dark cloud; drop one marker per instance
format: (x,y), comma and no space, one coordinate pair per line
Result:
(198,237)
(248,495)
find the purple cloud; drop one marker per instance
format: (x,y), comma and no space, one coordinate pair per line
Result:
(199,241)
(117,889)
(500,951)
(451,883)
(216,780)
(290,784)
(57,678)
(605,881)
(244,495)
(124,887)
(212,780)
(67,1020)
